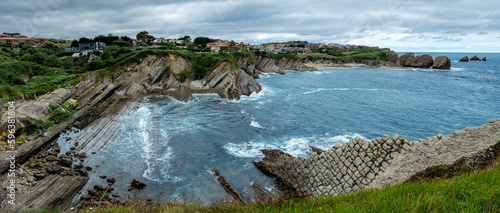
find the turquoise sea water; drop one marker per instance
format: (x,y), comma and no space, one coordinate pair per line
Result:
(172,146)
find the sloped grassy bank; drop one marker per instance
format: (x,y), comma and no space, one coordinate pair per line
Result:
(477,191)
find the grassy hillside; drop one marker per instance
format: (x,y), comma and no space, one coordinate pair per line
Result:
(46,68)
(472,192)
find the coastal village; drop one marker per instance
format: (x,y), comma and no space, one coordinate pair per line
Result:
(215,45)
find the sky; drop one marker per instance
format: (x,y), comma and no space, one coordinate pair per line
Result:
(402,25)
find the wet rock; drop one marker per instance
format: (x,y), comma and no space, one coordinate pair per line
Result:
(82,172)
(261,194)
(111,180)
(40,175)
(79,166)
(52,158)
(137,184)
(442,62)
(316,150)
(67,161)
(102,176)
(88,168)
(98,188)
(54,169)
(229,189)
(474,58)
(484,59)
(464,59)
(273,157)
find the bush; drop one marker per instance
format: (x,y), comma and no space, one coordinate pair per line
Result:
(122,43)
(39,57)
(52,61)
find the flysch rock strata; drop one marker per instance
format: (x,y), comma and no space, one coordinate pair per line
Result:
(360,164)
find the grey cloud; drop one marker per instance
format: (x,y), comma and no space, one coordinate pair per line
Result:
(403,22)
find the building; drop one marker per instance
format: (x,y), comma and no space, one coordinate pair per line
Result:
(22,39)
(84,47)
(217,46)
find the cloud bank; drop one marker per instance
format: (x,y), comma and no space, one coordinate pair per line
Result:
(416,25)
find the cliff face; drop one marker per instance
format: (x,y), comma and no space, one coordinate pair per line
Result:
(270,65)
(115,93)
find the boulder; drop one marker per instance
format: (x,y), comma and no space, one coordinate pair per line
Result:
(137,184)
(52,158)
(111,180)
(475,58)
(54,169)
(405,60)
(423,61)
(67,161)
(464,59)
(484,59)
(442,62)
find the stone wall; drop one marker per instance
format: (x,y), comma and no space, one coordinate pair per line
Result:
(361,164)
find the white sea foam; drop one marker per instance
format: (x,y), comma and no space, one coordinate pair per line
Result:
(256,125)
(457,69)
(346,89)
(294,146)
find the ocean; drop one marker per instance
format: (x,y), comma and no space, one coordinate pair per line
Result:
(174,146)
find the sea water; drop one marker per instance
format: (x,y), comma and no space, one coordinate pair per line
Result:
(174,146)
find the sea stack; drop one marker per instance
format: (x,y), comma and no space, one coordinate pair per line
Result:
(464,59)
(475,58)
(442,62)
(484,59)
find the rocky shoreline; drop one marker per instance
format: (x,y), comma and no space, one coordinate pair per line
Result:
(360,164)
(101,98)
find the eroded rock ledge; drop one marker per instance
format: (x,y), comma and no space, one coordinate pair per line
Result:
(360,164)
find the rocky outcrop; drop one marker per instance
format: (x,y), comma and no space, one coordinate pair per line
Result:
(422,61)
(270,65)
(405,60)
(361,164)
(228,188)
(464,59)
(442,62)
(484,59)
(50,192)
(392,57)
(475,58)
(36,109)
(137,184)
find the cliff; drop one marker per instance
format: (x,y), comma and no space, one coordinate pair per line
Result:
(360,164)
(112,93)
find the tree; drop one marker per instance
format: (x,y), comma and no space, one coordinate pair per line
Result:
(75,43)
(202,40)
(84,40)
(108,40)
(126,38)
(50,45)
(39,57)
(145,37)
(186,39)
(52,61)
(122,43)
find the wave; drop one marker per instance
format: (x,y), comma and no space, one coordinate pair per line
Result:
(294,146)
(256,125)
(265,92)
(346,89)
(155,152)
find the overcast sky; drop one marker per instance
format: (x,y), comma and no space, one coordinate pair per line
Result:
(402,25)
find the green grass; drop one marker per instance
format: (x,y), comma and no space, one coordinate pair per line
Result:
(472,192)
